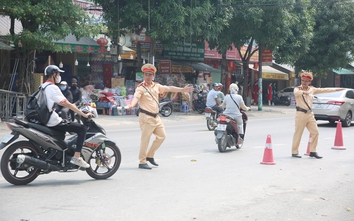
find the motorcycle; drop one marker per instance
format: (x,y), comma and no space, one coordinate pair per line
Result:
(282,100)
(226,132)
(211,116)
(198,103)
(165,106)
(47,150)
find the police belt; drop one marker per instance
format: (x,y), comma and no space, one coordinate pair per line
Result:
(148,113)
(301,109)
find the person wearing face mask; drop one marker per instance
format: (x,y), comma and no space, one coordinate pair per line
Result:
(77,95)
(55,96)
(64,111)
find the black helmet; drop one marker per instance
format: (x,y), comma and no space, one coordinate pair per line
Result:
(51,69)
(215,84)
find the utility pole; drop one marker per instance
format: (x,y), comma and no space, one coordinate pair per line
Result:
(260,97)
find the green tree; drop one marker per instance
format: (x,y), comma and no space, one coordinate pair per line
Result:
(42,22)
(332,44)
(283,26)
(164,20)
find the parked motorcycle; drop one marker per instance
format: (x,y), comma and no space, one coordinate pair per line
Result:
(226,132)
(47,150)
(211,116)
(165,106)
(198,103)
(282,100)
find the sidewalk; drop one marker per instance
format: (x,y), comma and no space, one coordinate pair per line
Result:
(177,116)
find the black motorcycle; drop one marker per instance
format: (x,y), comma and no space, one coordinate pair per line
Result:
(165,107)
(226,132)
(282,100)
(45,150)
(198,103)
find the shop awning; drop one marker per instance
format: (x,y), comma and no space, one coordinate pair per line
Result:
(89,45)
(205,68)
(343,71)
(200,66)
(271,73)
(4,46)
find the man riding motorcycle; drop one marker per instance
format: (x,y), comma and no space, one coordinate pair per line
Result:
(212,99)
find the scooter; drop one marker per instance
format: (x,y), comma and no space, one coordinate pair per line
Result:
(165,107)
(282,100)
(45,150)
(226,132)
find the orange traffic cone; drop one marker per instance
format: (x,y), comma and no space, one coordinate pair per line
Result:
(308,146)
(338,141)
(268,152)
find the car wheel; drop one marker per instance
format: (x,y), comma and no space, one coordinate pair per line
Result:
(347,120)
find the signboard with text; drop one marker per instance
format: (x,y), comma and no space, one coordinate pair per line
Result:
(165,66)
(183,50)
(267,56)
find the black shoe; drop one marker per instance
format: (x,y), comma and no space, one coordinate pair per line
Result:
(296,155)
(314,154)
(152,161)
(144,166)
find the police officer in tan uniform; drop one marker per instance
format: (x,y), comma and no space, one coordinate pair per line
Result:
(304,116)
(147,94)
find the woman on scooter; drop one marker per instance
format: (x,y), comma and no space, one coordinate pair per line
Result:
(232,104)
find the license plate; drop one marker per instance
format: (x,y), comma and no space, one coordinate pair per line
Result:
(6,138)
(207,114)
(221,127)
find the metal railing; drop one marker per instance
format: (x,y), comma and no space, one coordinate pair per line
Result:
(12,104)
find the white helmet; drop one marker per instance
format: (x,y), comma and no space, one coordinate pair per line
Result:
(233,88)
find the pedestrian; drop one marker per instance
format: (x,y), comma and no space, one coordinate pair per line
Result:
(232,104)
(220,94)
(54,96)
(77,95)
(270,94)
(304,116)
(212,99)
(64,111)
(147,94)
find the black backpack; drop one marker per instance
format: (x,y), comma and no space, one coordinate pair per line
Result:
(36,110)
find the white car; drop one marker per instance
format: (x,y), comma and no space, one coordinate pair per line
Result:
(335,106)
(288,91)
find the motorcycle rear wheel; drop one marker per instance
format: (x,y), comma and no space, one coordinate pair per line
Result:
(104,162)
(222,143)
(210,124)
(11,171)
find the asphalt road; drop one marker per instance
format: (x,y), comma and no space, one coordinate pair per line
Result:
(196,182)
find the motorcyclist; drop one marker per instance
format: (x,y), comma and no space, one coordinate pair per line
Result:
(54,96)
(212,99)
(77,95)
(64,111)
(232,104)
(221,95)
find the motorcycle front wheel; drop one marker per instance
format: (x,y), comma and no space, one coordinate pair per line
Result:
(104,161)
(166,110)
(222,143)
(12,171)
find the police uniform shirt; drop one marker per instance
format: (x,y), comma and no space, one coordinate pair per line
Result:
(308,98)
(146,102)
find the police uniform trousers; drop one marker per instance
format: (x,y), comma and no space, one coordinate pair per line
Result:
(150,125)
(303,120)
